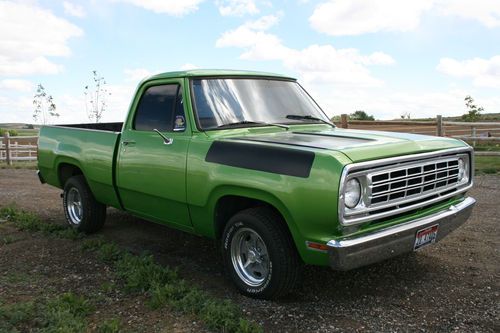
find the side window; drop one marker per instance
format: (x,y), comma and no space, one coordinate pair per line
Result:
(160,107)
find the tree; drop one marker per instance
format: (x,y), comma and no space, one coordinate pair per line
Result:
(45,107)
(95,98)
(360,115)
(474,111)
(406,115)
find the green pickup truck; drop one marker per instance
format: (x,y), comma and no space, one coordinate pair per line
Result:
(249,159)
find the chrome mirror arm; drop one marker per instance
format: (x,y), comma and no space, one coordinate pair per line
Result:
(166,140)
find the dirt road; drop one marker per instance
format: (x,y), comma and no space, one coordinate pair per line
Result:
(451,286)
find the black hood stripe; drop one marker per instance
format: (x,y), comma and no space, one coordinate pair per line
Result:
(279,160)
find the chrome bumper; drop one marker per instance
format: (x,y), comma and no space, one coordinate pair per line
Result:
(351,253)
(40,177)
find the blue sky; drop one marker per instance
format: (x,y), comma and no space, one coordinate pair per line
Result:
(387,57)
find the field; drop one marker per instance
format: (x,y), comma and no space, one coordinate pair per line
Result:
(50,276)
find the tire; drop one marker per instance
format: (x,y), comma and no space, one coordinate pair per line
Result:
(81,209)
(259,254)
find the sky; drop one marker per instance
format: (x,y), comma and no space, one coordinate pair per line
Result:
(386,57)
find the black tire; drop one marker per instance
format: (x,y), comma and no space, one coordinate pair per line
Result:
(81,209)
(284,266)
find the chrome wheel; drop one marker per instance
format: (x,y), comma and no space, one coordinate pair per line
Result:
(250,257)
(74,206)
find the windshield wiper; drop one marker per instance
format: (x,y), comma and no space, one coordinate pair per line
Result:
(243,122)
(309,117)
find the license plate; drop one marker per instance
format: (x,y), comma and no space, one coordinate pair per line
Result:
(425,237)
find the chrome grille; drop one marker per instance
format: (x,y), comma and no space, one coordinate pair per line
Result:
(413,180)
(396,185)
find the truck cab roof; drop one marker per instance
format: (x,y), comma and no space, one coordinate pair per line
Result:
(216,73)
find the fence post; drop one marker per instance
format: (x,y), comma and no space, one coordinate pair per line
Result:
(473,129)
(439,125)
(343,121)
(7,148)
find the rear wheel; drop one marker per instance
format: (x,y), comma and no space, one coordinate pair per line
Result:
(81,209)
(259,254)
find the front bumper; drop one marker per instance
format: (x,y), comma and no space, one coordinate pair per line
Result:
(351,253)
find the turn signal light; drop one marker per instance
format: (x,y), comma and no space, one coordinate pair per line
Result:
(317,246)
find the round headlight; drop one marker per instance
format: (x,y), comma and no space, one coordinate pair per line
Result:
(462,172)
(352,193)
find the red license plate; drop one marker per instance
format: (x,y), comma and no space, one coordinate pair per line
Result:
(425,237)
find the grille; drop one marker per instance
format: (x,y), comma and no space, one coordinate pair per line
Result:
(401,184)
(413,180)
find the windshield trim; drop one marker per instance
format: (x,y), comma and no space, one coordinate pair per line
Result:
(195,112)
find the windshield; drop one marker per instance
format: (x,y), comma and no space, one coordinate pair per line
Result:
(249,101)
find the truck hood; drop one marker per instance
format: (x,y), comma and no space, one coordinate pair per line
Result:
(357,145)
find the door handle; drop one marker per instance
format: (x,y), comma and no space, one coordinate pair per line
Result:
(128,142)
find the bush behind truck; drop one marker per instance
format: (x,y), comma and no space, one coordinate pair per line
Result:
(249,159)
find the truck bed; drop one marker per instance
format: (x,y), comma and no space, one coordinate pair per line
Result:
(90,147)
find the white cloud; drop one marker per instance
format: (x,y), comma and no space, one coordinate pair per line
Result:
(315,63)
(74,9)
(340,67)
(487,12)
(483,72)
(341,79)
(236,7)
(136,74)
(356,17)
(16,85)
(169,7)
(28,35)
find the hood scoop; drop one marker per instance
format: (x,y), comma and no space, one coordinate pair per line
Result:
(319,140)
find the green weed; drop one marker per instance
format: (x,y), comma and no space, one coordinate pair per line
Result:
(27,221)
(16,314)
(65,313)
(6,240)
(107,287)
(140,273)
(109,326)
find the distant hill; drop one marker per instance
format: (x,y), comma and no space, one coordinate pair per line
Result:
(483,117)
(17,126)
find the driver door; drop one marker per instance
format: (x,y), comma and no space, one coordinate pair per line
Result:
(151,171)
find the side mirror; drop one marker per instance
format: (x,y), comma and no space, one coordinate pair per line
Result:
(166,141)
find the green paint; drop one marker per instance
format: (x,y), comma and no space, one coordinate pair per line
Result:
(173,185)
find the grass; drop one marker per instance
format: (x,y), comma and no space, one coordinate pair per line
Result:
(26,221)
(65,313)
(6,240)
(140,274)
(136,274)
(110,326)
(487,164)
(31,165)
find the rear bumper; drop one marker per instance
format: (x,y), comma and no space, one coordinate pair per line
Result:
(40,177)
(351,253)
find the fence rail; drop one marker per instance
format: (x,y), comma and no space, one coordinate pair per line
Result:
(471,132)
(18,148)
(24,148)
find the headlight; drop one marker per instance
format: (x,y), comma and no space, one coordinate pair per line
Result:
(462,170)
(352,193)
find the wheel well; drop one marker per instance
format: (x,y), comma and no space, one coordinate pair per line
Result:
(66,171)
(228,206)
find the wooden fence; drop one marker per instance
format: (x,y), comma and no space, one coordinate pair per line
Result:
(18,148)
(471,132)
(24,148)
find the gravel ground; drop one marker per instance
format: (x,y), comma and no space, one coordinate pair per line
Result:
(452,286)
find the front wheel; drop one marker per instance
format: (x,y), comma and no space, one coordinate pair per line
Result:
(259,254)
(81,209)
